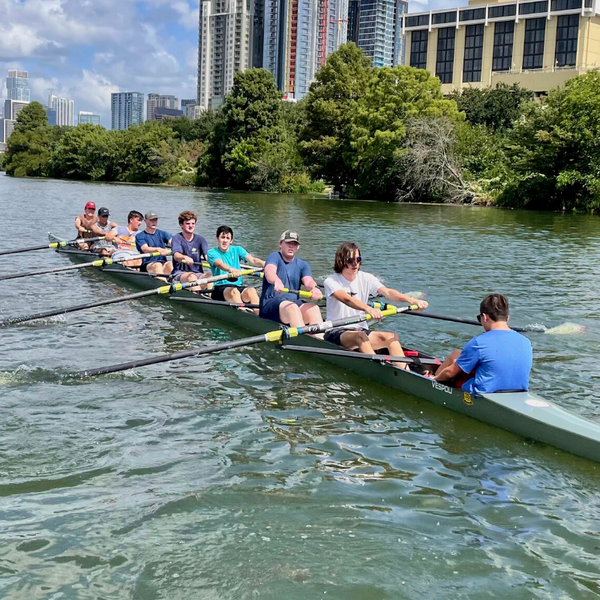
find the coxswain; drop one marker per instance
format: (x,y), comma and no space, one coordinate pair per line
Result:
(284,270)
(498,360)
(124,236)
(84,222)
(226,258)
(154,240)
(347,292)
(189,249)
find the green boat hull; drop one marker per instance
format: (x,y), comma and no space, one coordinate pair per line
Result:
(523,413)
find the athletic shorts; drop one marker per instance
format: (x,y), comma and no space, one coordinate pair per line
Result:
(333,336)
(124,255)
(175,276)
(270,309)
(218,292)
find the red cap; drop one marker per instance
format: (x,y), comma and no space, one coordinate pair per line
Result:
(91,205)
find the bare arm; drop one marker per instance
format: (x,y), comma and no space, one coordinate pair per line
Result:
(254,261)
(449,373)
(396,296)
(271,277)
(79,226)
(311,285)
(179,257)
(356,304)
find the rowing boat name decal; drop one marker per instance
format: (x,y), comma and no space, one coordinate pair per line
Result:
(441,387)
(467,398)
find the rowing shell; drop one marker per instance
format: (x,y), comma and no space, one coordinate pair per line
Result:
(523,413)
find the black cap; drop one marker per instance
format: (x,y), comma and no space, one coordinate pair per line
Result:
(103,212)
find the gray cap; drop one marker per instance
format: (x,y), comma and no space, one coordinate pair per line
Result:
(289,236)
(151,215)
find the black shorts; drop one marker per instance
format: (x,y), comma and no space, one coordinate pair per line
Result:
(333,336)
(218,292)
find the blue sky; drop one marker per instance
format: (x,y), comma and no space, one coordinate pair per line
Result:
(86,49)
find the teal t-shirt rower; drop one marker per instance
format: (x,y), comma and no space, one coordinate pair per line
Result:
(231,258)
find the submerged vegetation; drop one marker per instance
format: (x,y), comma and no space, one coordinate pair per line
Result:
(387,134)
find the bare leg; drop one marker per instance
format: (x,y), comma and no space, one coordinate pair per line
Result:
(289,314)
(250,296)
(390,341)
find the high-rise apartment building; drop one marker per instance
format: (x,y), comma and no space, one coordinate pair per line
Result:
(159,101)
(539,44)
(186,103)
(298,37)
(375,26)
(17,85)
(65,110)
(127,108)
(12,108)
(224,47)
(88,117)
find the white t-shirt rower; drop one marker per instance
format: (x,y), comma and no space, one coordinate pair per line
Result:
(364,286)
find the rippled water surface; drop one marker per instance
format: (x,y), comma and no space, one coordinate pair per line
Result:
(252,474)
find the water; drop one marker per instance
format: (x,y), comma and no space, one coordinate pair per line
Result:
(255,475)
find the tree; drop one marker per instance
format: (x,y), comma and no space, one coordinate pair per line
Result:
(29,146)
(326,138)
(497,108)
(393,97)
(251,122)
(554,150)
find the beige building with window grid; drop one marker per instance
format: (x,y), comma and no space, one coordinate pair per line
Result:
(539,44)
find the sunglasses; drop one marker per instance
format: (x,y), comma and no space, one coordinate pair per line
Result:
(354,260)
(479,317)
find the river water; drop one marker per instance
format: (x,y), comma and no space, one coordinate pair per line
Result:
(250,474)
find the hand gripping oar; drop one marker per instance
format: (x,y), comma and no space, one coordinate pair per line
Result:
(427,315)
(271,336)
(165,289)
(53,245)
(101,262)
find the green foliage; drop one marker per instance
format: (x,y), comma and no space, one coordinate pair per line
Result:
(330,107)
(497,108)
(29,147)
(554,150)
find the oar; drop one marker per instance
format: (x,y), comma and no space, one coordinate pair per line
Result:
(428,315)
(165,289)
(210,301)
(52,246)
(271,336)
(102,262)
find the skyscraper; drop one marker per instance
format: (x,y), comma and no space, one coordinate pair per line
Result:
(224,47)
(127,108)
(65,110)
(88,117)
(159,101)
(375,26)
(17,84)
(186,103)
(298,37)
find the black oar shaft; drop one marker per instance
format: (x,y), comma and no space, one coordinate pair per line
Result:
(169,357)
(51,246)
(46,271)
(75,308)
(429,315)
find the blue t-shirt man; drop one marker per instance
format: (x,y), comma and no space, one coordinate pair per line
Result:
(158,239)
(197,248)
(291,274)
(502,360)
(231,258)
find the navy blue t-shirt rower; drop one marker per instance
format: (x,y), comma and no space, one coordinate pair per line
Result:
(291,274)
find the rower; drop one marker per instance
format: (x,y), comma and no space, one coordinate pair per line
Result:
(154,240)
(498,360)
(224,259)
(124,236)
(188,250)
(284,270)
(347,292)
(102,228)
(84,222)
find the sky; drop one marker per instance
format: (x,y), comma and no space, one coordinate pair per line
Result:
(86,49)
